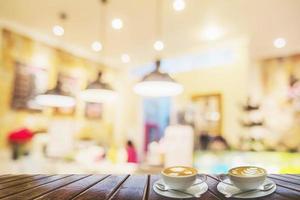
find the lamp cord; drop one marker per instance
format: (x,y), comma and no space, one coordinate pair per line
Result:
(102,27)
(158,18)
(159,22)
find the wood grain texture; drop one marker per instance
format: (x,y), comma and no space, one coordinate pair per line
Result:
(44,188)
(104,189)
(5,175)
(291,180)
(27,186)
(118,187)
(21,181)
(291,177)
(73,189)
(289,185)
(12,178)
(133,188)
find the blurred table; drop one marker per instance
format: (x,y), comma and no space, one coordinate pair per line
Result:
(131,187)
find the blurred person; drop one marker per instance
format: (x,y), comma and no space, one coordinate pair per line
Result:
(131,152)
(204,140)
(218,143)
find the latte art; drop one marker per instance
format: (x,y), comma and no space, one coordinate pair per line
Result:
(247,171)
(179,171)
(247,177)
(251,171)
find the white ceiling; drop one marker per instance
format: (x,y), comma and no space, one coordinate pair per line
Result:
(260,20)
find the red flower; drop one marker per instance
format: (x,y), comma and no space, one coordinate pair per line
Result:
(20,136)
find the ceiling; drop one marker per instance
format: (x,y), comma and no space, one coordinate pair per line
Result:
(260,20)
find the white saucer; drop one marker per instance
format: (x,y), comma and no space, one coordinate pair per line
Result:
(225,189)
(196,189)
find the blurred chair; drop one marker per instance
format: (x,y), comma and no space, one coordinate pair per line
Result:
(179,145)
(61,138)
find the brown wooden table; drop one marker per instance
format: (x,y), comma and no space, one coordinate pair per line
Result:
(127,187)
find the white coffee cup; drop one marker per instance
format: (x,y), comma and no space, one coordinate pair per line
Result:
(247,177)
(176,178)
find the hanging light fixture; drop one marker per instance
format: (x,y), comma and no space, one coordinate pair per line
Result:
(98,91)
(158,84)
(58,29)
(55,97)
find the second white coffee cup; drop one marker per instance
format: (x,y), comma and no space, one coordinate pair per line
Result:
(247,177)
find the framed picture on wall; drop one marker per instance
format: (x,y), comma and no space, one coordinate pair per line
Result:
(208,115)
(93,110)
(29,81)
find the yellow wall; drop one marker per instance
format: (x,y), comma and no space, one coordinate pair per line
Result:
(230,80)
(16,47)
(122,119)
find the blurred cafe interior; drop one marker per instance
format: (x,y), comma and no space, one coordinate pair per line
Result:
(132,86)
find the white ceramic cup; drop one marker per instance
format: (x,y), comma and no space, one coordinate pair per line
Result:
(179,182)
(248,181)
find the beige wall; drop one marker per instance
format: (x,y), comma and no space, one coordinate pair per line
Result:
(17,47)
(230,80)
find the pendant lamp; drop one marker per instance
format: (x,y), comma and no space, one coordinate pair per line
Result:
(98,91)
(158,84)
(55,97)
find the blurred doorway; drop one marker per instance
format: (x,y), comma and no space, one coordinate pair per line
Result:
(156,118)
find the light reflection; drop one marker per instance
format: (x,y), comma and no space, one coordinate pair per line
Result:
(210,58)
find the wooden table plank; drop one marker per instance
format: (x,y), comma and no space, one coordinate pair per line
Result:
(74,189)
(115,187)
(283,183)
(291,176)
(104,189)
(45,188)
(21,181)
(286,179)
(133,188)
(26,186)
(5,175)
(286,189)
(283,193)
(12,178)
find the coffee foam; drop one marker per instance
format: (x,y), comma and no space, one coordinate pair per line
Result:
(179,171)
(247,171)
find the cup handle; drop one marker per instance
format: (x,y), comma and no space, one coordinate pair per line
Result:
(222,178)
(202,177)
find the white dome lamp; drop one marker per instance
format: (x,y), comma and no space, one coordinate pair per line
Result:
(158,84)
(55,97)
(98,91)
